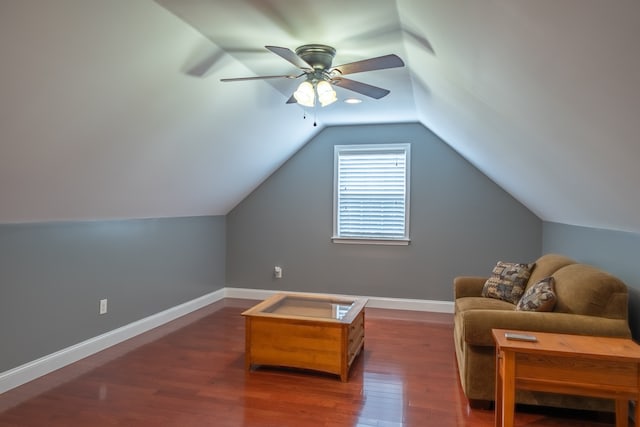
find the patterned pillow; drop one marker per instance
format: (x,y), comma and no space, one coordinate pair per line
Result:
(539,297)
(507,281)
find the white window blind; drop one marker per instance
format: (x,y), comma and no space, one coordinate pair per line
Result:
(371,193)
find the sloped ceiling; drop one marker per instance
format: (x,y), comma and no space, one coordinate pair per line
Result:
(115,109)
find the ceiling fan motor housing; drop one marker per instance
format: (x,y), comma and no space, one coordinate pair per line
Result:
(319,56)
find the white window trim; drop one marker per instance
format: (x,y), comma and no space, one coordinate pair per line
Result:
(363,240)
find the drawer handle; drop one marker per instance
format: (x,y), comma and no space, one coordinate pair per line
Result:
(358,339)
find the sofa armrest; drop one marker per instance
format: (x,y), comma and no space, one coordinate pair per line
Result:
(468,286)
(477,324)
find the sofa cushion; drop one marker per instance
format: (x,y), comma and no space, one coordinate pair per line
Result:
(546,265)
(539,297)
(584,289)
(479,303)
(507,281)
(476,325)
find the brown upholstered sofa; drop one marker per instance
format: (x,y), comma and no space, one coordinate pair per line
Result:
(589,302)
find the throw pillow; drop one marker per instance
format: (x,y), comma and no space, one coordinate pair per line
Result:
(539,297)
(507,281)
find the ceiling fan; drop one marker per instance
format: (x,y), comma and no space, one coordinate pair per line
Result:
(315,62)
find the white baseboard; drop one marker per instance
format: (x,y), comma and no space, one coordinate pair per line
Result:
(49,363)
(246,293)
(29,371)
(374,302)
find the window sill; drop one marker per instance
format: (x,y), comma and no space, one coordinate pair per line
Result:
(357,241)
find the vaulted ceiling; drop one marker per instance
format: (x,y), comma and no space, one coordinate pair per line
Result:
(115,109)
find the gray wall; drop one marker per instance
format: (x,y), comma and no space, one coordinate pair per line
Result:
(614,251)
(52,277)
(461,223)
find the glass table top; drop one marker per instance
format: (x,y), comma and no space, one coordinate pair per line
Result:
(318,307)
(299,306)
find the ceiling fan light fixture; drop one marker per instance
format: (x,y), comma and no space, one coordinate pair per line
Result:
(326,94)
(305,94)
(314,60)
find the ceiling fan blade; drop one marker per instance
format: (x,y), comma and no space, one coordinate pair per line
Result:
(240,79)
(290,56)
(362,88)
(379,63)
(292,100)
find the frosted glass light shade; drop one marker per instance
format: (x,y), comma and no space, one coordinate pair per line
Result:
(326,94)
(305,94)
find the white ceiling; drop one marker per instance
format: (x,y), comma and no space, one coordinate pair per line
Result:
(115,109)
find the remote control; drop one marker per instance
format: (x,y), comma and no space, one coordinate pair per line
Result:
(520,337)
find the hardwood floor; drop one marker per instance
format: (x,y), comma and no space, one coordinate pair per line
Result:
(191,373)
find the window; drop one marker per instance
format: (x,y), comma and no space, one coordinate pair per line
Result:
(371,194)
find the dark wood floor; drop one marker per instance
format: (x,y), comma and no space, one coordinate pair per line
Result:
(191,373)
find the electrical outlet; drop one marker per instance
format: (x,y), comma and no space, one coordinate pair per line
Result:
(103,306)
(277,272)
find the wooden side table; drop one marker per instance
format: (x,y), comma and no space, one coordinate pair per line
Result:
(567,364)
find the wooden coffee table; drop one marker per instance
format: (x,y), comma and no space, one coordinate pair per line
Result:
(567,364)
(320,333)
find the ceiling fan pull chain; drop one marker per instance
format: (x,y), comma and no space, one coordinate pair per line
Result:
(304,116)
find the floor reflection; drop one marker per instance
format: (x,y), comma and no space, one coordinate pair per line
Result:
(383,400)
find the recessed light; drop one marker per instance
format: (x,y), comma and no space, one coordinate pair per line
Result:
(353,101)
